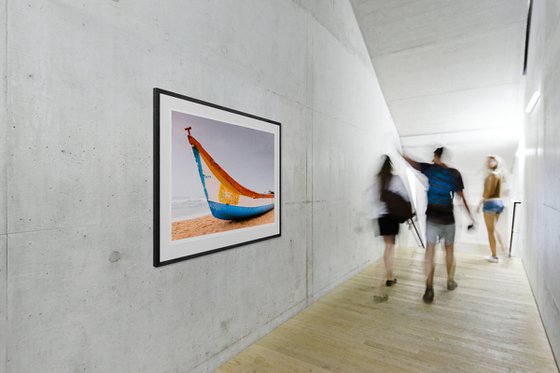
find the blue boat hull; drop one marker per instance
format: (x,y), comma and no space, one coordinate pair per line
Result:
(229,212)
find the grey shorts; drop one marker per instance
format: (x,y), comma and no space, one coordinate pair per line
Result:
(436,232)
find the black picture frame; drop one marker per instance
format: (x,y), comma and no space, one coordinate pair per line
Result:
(158,259)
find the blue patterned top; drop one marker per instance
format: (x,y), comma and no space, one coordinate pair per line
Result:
(444,182)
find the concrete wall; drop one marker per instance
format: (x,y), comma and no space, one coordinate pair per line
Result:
(79,166)
(3,194)
(541,151)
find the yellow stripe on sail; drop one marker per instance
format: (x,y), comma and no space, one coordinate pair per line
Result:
(228,197)
(227,181)
(223,181)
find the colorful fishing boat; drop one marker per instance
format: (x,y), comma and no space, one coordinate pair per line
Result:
(227,199)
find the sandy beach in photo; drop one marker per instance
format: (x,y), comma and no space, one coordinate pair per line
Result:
(209,224)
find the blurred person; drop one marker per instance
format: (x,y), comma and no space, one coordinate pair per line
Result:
(444,183)
(391,189)
(492,204)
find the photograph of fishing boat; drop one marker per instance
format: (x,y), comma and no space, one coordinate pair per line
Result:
(206,194)
(216,178)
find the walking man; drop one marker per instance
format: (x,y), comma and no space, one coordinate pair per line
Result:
(444,183)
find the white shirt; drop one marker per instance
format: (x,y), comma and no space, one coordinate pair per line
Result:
(396,185)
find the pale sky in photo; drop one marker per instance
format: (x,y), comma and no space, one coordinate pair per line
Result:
(246,154)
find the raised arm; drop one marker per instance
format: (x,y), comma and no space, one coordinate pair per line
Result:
(412,162)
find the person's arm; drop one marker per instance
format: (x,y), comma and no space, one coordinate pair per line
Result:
(462,195)
(412,162)
(490,185)
(459,187)
(483,197)
(479,205)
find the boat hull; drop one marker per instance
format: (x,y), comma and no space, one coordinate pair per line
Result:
(229,212)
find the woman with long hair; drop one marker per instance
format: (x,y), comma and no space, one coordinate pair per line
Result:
(389,228)
(492,205)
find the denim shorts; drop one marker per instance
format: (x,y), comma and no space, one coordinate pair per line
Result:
(436,232)
(493,205)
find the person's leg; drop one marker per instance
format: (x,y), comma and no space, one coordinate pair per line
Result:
(388,256)
(498,235)
(430,269)
(431,240)
(449,236)
(449,262)
(432,234)
(489,219)
(429,264)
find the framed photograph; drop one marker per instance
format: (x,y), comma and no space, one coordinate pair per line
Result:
(216,178)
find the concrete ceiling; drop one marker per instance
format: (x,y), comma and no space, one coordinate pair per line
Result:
(451,71)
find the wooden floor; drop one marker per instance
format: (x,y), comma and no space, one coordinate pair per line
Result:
(490,323)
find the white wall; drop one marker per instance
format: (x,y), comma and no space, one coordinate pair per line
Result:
(79,132)
(541,151)
(469,159)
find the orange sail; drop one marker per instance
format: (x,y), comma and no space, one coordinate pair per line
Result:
(227,199)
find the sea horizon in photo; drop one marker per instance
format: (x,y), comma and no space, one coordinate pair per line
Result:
(188,208)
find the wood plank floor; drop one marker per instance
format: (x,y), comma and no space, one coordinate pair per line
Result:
(490,323)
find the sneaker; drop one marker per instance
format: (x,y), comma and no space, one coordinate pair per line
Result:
(451,284)
(492,259)
(391,282)
(428,295)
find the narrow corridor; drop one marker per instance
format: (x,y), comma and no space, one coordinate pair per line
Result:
(490,323)
(195,186)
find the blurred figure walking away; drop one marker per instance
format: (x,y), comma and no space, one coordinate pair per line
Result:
(492,205)
(392,196)
(444,183)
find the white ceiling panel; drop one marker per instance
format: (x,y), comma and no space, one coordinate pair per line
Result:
(453,65)
(392,26)
(451,72)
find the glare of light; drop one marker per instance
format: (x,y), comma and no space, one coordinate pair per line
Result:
(412,183)
(525,152)
(533,102)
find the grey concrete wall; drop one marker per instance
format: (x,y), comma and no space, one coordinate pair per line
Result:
(349,131)
(80,79)
(541,236)
(3,195)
